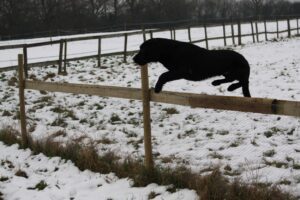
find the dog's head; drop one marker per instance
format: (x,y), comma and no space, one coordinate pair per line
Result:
(149,52)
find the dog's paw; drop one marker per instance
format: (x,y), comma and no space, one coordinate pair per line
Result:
(157,89)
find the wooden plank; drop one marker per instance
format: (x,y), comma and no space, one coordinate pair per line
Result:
(22,100)
(104,91)
(16,46)
(241,104)
(146,117)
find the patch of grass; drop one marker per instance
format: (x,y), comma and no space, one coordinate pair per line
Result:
(269,153)
(39,186)
(213,186)
(152,195)
(3,178)
(268,134)
(171,111)
(49,76)
(6,113)
(21,173)
(115,119)
(59,122)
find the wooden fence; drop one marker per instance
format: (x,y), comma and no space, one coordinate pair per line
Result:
(146,95)
(63,58)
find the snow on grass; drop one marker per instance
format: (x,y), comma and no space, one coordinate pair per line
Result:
(26,176)
(254,147)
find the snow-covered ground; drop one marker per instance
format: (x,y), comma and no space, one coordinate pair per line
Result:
(254,147)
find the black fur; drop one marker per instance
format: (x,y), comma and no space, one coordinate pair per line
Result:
(190,62)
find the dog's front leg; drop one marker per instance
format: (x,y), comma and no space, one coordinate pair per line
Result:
(166,77)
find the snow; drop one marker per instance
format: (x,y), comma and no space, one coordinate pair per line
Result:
(198,138)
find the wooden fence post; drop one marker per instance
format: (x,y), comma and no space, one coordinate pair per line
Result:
(22,100)
(65,56)
(174,34)
(125,47)
(266,31)
(277,26)
(25,60)
(297,26)
(205,34)
(289,27)
(146,117)
(257,31)
(61,45)
(224,34)
(232,33)
(189,32)
(252,29)
(239,33)
(144,35)
(99,51)
(151,34)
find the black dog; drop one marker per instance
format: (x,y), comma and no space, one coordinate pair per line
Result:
(190,62)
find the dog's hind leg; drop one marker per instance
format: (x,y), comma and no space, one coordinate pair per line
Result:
(166,77)
(245,87)
(221,81)
(234,86)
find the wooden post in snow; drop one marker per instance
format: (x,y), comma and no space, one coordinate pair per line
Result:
(189,33)
(253,34)
(22,100)
(146,117)
(257,31)
(125,47)
(205,34)
(277,27)
(224,34)
(25,58)
(297,26)
(65,56)
(232,33)
(239,33)
(99,51)
(289,27)
(266,31)
(61,46)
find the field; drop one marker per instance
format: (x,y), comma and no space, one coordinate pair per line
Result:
(253,147)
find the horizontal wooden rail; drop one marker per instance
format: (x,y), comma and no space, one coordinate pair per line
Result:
(255,105)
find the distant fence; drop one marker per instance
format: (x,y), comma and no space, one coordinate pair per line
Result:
(236,36)
(242,104)
(174,24)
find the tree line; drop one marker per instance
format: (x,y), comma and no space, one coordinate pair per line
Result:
(28,16)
